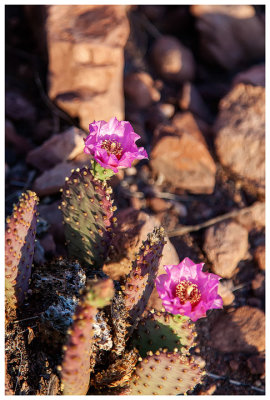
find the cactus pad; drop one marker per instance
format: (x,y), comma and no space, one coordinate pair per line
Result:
(76,364)
(141,279)
(165,373)
(159,330)
(87,212)
(19,248)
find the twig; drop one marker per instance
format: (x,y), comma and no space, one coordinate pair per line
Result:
(25,319)
(181,230)
(233,382)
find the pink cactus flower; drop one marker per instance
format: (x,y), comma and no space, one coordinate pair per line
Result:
(112,144)
(187,290)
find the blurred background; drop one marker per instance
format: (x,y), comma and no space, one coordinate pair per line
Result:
(191,81)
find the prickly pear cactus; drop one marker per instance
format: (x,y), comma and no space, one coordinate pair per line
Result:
(88,217)
(140,281)
(165,373)
(76,368)
(162,329)
(19,248)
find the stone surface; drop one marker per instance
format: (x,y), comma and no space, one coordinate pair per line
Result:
(259,256)
(172,60)
(133,227)
(191,100)
(254,218)
(181,155)
(85,49)
(241,331)
(240,133)
(258,285)
(229,35)
(225,291)
(254,76)
(225,244)
(140,90)
(58,148)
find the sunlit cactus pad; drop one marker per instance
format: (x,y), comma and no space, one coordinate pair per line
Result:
(165,373)
(88,215)
(19,247)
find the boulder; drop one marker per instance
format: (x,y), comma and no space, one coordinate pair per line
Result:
(85,50)
(240,133)
(172,60)
(226,244)
(241,331)
(229,35)
(181,155)
(58,148)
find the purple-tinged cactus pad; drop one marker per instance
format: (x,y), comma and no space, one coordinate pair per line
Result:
(140,281)
(19,248)
(76,367)
(165,373)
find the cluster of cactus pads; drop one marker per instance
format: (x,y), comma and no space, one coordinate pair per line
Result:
(110,344)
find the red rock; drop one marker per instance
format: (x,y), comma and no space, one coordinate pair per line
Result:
(259,256)
(229,35)
(140,90)
(20,144)
(258,285)
(158,205)
(191,100)
(253,76)
(85,48)
(240,133)
(58,148)
(183,159)
(241,331)
(225,244)
(52,180)
(254,218)
(172,60)
(225,291)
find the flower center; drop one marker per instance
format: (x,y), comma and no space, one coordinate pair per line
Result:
(188,291)
(112,147)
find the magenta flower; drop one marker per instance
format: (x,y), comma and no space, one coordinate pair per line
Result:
(187,290)
(112,144)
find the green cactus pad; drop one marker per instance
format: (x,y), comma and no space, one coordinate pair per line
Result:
(76,368)
(161,329)
(88,215)
(141,279)
(165,373)
(19,248)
